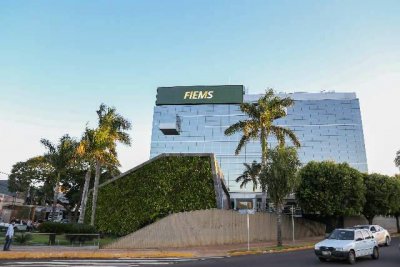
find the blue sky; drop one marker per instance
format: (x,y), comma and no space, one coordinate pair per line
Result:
(60,60)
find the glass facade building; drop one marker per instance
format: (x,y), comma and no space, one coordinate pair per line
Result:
(327,124)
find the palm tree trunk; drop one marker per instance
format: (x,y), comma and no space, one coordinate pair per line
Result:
(95,192)
(263,163)
(56,188)
(397,223)
(263,200)
(263,137)
(279,225)
(84,196)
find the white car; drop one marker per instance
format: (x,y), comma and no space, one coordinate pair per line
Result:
(347,244)
(381,235)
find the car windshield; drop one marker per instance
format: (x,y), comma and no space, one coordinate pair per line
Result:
(362,227)
(342,235)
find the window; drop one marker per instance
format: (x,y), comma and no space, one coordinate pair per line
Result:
(373,229)
(359,235)
(366,234)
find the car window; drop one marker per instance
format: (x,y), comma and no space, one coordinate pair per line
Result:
(366,234)
(359,235)
(342,235)
(373,229)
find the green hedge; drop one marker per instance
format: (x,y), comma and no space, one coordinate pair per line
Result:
(66,228)
(167,185)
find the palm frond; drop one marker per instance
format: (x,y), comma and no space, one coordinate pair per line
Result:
(243,141)
(281,133)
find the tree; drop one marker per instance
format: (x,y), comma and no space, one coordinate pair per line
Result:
(87,153)
(111,129)
(59,157)
(26,177)
(280,175)
(259,125)
(250,174)
(90,149)
(377,195)
(394,199)
(328,191)
(397,159)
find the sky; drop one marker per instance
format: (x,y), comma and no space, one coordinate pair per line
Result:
(60,59)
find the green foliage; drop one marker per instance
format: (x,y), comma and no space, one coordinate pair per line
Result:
(26,175)
(23,238)
(280,173)
(260,123)
(66,228)
(331,189)
(377,195)
(167,185)
(250,174)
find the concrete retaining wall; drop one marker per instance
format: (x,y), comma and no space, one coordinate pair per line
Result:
(214,227)
(388,223)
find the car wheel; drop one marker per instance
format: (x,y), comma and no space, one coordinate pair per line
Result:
(352,257)
(387,242)
(322,259)
(375,253)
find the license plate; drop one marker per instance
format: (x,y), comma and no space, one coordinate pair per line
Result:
(326,253)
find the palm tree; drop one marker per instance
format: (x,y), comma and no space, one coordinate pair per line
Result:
(250,175)
(397,159)
(280,175)
(260,125)
(111,129)
(59,157)
(85,152)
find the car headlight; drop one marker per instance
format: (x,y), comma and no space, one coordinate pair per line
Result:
(339,249)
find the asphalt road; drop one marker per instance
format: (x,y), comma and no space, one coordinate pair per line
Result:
(389,257)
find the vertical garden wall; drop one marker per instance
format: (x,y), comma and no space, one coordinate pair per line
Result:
(166,184)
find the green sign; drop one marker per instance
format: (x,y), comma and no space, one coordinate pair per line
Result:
(182,95)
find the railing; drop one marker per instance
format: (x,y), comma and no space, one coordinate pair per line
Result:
(54,239)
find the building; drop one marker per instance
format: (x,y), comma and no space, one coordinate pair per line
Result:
(192,119)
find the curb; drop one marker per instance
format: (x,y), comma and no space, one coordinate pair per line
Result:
(271,251)
(13,255)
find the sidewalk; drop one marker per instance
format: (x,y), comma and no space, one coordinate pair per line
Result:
(43,252)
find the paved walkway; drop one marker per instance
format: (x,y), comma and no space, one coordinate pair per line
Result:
(36,252)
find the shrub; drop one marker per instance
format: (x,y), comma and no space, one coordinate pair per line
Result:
(66,228)
(23,238)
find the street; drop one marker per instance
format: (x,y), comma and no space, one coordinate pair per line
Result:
(389,257)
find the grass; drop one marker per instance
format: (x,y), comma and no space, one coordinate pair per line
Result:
(43,240)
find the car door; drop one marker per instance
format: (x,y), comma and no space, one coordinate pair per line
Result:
(359,243)
(369,242)
(382,234)
(375,233)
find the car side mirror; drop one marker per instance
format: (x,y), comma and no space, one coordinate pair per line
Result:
(359,239)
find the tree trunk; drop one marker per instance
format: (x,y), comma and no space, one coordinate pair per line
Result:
(369,218)
(53,213)
(397,223)
(278,225)
(263,140)
(95,192)
(263,201)
(84,196)
(75,215)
